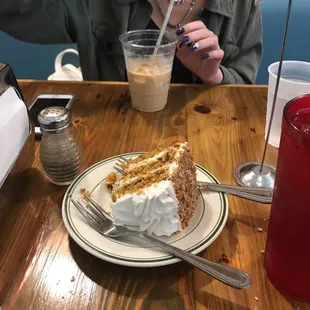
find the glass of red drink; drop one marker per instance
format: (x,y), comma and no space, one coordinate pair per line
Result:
(287,254)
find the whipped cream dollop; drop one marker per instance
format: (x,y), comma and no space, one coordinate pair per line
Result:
(154,211)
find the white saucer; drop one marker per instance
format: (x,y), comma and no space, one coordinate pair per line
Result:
(208,222)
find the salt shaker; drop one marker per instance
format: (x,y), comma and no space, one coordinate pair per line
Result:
(59,152)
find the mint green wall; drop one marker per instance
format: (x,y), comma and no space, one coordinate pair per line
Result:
(37,61)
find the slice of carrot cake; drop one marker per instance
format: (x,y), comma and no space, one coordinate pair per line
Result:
(157,191)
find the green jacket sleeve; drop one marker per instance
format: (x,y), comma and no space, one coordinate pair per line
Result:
(35,21)
(242,69)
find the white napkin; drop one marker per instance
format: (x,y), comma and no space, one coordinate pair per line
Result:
(14,130)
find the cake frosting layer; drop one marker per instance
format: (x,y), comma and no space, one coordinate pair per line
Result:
(155,211)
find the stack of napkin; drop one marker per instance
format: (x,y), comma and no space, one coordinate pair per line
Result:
(14,130)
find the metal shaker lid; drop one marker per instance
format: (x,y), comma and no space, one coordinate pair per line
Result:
(54,119)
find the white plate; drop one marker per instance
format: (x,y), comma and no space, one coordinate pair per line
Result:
(209,220)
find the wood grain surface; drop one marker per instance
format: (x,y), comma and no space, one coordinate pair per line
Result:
(41,267)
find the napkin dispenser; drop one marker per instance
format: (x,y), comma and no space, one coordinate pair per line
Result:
(7,77)
(17,146)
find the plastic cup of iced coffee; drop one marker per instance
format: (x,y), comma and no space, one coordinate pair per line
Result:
(148,67)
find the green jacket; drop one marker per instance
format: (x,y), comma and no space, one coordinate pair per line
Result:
(95,26)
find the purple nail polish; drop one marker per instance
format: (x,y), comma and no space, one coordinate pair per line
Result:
(185,39)
(192,47)
(180,31)
(205,56)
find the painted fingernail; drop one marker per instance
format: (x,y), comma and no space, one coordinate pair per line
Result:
(181,44)
(205,56)
(185,39)
(180,31)
(192,47)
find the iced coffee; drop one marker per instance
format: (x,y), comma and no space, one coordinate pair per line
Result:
(149,83)
(148,73)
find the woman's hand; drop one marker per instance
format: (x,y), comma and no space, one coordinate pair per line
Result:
(200,52)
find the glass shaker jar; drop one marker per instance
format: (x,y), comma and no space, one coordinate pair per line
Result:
(60,154)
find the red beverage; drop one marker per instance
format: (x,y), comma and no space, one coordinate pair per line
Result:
(287,255)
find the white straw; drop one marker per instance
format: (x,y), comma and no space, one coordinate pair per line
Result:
(164,26)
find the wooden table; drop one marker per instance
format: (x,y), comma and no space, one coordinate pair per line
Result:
(41,267)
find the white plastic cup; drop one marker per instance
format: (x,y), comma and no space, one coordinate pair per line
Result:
(295,81)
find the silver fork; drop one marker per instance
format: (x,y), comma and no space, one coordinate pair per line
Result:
(263,195)
(100,220)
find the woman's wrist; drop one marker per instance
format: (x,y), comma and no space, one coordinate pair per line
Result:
(213,80)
